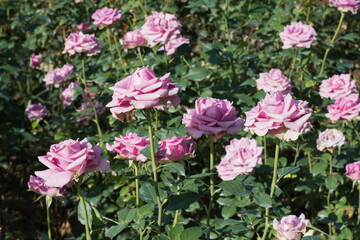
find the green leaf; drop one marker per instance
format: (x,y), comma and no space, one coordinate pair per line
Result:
(147,193)
(228,211)
(126,215)
(182,200)
(175,232)
(197,73)
(81,213)
(351,37)
(160,238)
(146,209)
(97,217)
(175,168)
(331,183)
(147,150)
(192,233)
(202,175)
(235,187)
(319,168)
(287,170)
(263,200)
(114,230)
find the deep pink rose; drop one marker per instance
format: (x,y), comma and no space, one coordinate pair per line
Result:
(242,156)
(173,44)
(346,5)
(37,185)
(345,108)
(338,86)
(142,90)
(68,94)
(353,170)
(87,112)
(35,61)
(274,81)
(58,76)
(84,26)
(298,35)
(290,227)
(129,147)
(133,39)
(70,159)
(213,117)
(36,112)
(106,16)
(160,28)
(175,149)
(79,42)
(280,116)
(329,140)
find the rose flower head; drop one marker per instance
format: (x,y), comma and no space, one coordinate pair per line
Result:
(176,149)
(329,140)
(290,227)
(298,35)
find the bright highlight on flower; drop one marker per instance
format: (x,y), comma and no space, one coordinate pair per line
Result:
(290,227)
(298,35)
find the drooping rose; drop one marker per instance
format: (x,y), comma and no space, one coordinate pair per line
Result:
(70,159)
(36,112)
(290,227)
(212,117)
(274,81)
(175,149)
(353,170)
(87,113)
(35,61)
(329,140)
(242,156)
(299,35)
(79,42)
(106,16)
(84,26)
(129,146)
(280,116)
(345,108)
(346,5)
(133,39)
(173,44)
(142,90)
(37,185)
(338,86)
(68,93)
(58,76)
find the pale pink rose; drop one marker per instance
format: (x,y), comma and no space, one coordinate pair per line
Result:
(68,93)
(133,39)
(338,86)
(37,185)
(68,160)
(36,112)
(106,16)
(279,115)
(86,95)
(346,5)
(35,61)
(160,28)
(129,147)
(290,227)
(58,76)
(84,26)
(242,156)
(143,90)
(274,81)
(345,108)
(212,117)
(353,170)
(87,112)
(79,42)
(298,35)
(175,149)
(329,140)
(173,44)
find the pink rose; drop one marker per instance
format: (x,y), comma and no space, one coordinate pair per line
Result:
(346,5)
(133,39)
(87,112)
(84,26)
(330,139)
(280,116)
(106,16)
(35,61)
(58,76)
(142,90)
(160,28)
(129,147)
(36,112)
(346,108)
(213,117)
(175,149)
(274,81)
(37,185)
(173,44)
(298,35)
(81,43)
(338,86)
(353,170)
(242,156)
(68,94)
(68,160)
(290,227)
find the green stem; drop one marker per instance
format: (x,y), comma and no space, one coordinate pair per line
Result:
(120,56)
(310,163)
(137,197)
(355,129)
(109,40)
(178,193)
(308,12)
(77,185)
(293,63)
(265,151)
(332,41)
(156,119)
(142,8)
(48,218)
(297,152)
(186,62)
(211,186)
(141,58)
(330,164)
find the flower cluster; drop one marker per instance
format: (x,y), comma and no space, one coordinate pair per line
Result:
(58,76)
(338,86)
(298,35)
(274,81)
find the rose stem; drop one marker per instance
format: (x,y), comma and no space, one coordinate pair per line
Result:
(136,167)
(140,55)
(265,151)
(178,193)
(293,63)
(77,185)
(120,56)
(48,203)
(211,186)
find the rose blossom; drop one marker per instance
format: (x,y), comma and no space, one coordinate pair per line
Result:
(353,170)
(36,112)
(35,61)
(142,90)
(274,81)
(346,5)
(160,28)
(298,35)
(58,76)
(213,117)
(330,139)
(84,26)
(70,159)
(337,86)
(68,94)
(106,16)
(129,147)
(242,156)
(290,227)
(280,116)
(37,185)
(87,112)
(175,149)
(173,44)
(133,39)
(81,43)
(346,108)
